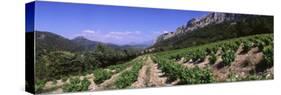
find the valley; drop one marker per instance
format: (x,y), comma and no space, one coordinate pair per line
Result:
(218,47)
(210,63)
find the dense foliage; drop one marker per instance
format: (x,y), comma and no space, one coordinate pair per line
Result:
(52,65)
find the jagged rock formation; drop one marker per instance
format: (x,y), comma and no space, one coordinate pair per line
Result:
(196,23)
(165,36)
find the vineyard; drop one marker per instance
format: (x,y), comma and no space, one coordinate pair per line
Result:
(245,58)
(239,59)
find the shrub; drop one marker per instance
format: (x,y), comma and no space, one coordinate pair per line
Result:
(228,57)
(128,77)
(64,79)
(101,75)
(76,85)
(39,84)
(212,58)
(268,55)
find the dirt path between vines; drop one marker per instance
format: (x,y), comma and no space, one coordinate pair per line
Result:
(149,75)
(108,84)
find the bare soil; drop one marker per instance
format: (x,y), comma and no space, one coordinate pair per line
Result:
(149,75)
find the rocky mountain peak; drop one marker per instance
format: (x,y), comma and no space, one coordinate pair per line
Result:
(196,23)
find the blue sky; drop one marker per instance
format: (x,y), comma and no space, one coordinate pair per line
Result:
(109,24)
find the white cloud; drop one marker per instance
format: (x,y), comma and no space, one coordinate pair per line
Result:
(160,32)
(165,31)
(89,31)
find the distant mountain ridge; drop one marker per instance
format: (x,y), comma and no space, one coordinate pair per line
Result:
(52,41)
(84,44)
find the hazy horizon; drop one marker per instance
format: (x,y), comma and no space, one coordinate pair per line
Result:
(109,24)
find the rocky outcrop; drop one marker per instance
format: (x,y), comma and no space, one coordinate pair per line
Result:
(196,23)
(165,36)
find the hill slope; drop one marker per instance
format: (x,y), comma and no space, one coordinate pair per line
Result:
(214,27)
(51,42)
